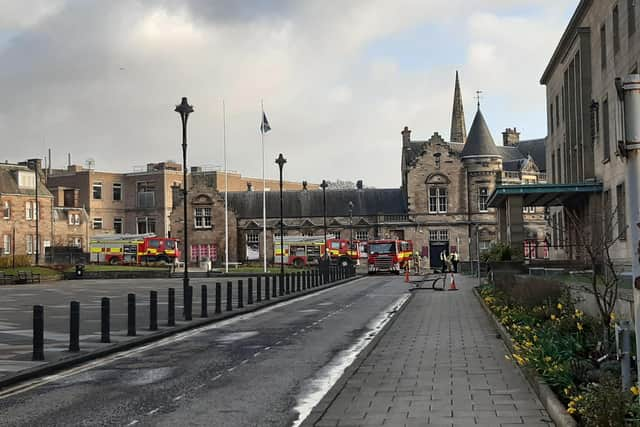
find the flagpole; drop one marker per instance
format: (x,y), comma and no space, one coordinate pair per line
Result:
(264,197)
(226,189)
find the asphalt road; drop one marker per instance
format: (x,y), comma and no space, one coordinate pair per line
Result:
(258,369)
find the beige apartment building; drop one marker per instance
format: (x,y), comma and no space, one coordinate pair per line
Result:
(601,43)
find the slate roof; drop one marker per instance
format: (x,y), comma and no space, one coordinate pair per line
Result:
(480,142)
(536,149)
(299,204)
(513,165)
(9,182)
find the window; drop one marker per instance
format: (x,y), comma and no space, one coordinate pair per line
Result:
(97,190)
(438,200)
(97,223)
(31,211)
(616,29)
(29,244)
(117,192)
(528,209)
(557,110)
(204,251)
(146,225)
(336,234)
(436,157)
(6,244)
(551,119)
(606,146)
(253,238)
(603,47)
(202,218)
(631,17)
(622,215)
(483,197)
(485,245)
(362,235)
(117,225)
(74,219)
(6,209)
(608,221)
(27,179)
(76,242)
(277,233)
(439,235)
(146,194)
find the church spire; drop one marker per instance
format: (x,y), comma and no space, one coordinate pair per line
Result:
(458,128)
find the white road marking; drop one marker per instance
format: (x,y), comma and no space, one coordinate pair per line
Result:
(216,377)
(30,385)
(175,399)
(266,348)
(198,387)
(278,343)
(329,374)
(132,423)
(153,411)
(256,354)
(231,369)
(244,361)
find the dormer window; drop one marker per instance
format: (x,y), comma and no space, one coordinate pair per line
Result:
(436,157)
(27,180)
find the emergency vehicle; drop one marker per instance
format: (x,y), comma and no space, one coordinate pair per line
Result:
(300,251)
(133,249)
(388,255)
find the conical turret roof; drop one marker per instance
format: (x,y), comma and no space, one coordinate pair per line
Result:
(480,142)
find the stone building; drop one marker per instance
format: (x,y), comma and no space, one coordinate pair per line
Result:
(22,213)
(600,44)
(441,204)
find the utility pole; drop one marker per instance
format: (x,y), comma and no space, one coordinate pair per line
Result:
(631,99)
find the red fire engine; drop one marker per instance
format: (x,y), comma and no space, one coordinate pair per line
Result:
(300,251)
(388,255)
(133,249)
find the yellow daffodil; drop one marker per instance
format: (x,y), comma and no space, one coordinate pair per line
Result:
(571,411)
(635,390)
(579,326)
(559,306)
(549,359)
(553,317)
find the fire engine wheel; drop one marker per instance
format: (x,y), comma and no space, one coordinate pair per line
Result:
(344,262)
(114,261)
(298,263)
(164,259)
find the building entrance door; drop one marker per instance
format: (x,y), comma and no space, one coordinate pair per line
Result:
(435,248)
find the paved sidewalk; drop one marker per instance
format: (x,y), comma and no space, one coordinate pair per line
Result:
(440,363)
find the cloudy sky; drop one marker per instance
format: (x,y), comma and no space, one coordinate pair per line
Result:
(339,78)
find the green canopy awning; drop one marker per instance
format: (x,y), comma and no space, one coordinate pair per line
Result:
(542,194)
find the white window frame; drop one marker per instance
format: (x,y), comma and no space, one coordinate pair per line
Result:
(252,237)
(6,244)
(441,235)
(95,221)
(147,221)
(436,197)
(29,246)
(484,245)
(6,209)
(202,217)
(121,222)
(483,199)
(94,186)
(113,191)
(31,210)
(362,235)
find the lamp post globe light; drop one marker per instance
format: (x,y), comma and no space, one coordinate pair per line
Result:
(184,109)
(324,186)
(281,161)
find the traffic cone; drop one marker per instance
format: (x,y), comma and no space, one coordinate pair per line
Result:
(453,283)
(406,275)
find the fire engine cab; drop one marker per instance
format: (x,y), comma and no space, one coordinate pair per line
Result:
(388,255)
(133,249)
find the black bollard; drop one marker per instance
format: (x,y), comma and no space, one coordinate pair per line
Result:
(281,285)
(171,308)
(287,283)
(153,311)
(240,294)
(229,296)
(250,291)
(188,303)
(218,309)
(38,333)
(105,318)
(74,327)
(131,315)
(259,289)
(303,279)
(203,301)
(267,291)
(298,282)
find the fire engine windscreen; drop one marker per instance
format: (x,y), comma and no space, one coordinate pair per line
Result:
(170,244)
(382,248)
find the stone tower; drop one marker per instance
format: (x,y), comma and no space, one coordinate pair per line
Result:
(458,128)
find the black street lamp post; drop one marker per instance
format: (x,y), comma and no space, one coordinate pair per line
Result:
(184,109)
(281,161)
(37,214)
(351,225)
(324,186)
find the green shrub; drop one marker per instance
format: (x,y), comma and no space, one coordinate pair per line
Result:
(602,404)
(20,261)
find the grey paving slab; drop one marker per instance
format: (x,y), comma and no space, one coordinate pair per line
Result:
(440,363)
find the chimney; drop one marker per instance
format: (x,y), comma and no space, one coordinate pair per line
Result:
(510,137)
(406,136)
(304,185)
(249,186)
(196,169)
(359,184)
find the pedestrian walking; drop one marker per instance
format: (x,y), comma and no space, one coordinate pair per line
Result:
(444,260)
(416,262)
